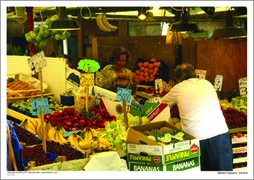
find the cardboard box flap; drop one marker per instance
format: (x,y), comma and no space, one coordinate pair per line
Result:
(135,135)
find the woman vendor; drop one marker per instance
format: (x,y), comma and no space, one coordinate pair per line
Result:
(117,75)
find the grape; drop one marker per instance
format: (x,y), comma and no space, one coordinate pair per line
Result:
(67,34)
(36,43)
(27,34)
(63,37)
(57,37)
(42,28)
(38,38)
(41,33)
(33,35)
(47,32)
(36,30)
(29,39)
(43,43)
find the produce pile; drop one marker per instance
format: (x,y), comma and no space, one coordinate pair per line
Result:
(26,137)
(41,35)
(165,135)
(37,154)
(25,107)
(147,71)
(18,85)
(235,112)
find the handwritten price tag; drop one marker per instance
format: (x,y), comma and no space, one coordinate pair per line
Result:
(243,86)
(85,63)
(123,93)
(218,82)
(158,86)
(36,62)
(37,104)
(86,79)
(200,73)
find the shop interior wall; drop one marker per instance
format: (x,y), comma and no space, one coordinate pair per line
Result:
(226,57)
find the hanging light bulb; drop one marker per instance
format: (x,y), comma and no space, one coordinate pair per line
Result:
(142,15)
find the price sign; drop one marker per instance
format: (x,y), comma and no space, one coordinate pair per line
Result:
(36,62)
(98,78)
(200,73)
(158,86)
(123,93)
(37,104)
(85,63)
(243,86)
(218,82)
(86,79)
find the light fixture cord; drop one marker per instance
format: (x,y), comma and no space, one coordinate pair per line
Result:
(41,16)
(90,15)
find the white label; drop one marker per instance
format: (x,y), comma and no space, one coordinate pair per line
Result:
(243,86)
(200,73)
(36,62)
(154,100)
(218,82)
(158,86)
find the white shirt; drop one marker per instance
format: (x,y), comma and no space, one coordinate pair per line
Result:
(199,108)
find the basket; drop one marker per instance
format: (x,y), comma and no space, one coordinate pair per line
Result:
(80,99)
(161,73)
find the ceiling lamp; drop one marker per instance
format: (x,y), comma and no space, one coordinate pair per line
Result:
(184,24)
(142,14)
(63,22)
(229,30)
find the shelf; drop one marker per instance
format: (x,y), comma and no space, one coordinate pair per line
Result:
(240,160)
(235,130)
(16,115)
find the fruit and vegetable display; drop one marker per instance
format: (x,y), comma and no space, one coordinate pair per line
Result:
(235,118)
(165,135)
(239,103)
(24,106)
(17,88)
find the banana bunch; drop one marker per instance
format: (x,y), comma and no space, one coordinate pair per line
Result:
(104,145)
(78,143)
(55,134)
(29,125)
(47,127)
(176,38)
(103,23)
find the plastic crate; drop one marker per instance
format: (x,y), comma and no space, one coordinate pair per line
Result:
(161,73)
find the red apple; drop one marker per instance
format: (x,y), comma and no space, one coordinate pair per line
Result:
(69,124)
(66,127)
(65,121)
(48,116)
(53,123)
(66,117)
(77,116)
(91,119)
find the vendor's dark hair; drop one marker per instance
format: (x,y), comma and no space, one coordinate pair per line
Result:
(184,71)
(115,54)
